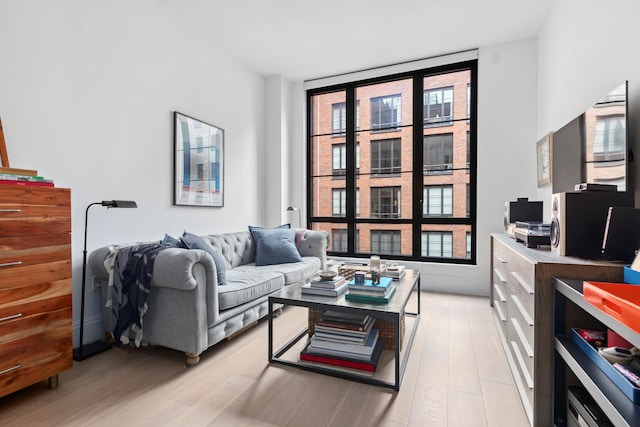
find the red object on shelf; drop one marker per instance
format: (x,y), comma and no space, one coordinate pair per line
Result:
(619,300)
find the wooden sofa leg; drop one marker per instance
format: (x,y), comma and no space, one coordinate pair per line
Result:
(277,312)
(192,359)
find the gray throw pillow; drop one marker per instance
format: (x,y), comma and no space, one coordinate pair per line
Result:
(275,246)
(171,241)
(191,241)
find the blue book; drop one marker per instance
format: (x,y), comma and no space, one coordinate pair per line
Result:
(385,282)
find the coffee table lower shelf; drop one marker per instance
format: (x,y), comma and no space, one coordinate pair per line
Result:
(391,360)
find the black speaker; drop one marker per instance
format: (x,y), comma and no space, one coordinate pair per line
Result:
(621,234)
(578,220)
(522,210)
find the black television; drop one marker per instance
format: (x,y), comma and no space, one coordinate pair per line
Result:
(593,147)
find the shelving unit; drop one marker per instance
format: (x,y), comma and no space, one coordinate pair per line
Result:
(573,366)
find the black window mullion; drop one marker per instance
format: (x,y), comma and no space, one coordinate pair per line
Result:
(351,168)
(418,163)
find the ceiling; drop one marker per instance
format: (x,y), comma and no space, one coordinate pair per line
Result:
(301,39)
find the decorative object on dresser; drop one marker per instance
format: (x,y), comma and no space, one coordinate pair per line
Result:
(522,300)
(85,351)
(35,286)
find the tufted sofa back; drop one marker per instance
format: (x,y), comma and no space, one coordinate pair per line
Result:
(237,248)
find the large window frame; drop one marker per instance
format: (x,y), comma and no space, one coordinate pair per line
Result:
(412,216)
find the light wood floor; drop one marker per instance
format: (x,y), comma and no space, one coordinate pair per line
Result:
(457,375)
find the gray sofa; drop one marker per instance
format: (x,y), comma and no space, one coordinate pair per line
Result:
(189,311)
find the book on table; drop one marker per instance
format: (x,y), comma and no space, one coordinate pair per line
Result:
(368,285)
(369,293)
(395,274)
(346,349)
(371,299)
(310,289)
(345,361)
(334,283)
(330,324)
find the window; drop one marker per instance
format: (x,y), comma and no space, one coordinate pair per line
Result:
(339,115)
(339,156)
(437,244)
(385,202)
(339,240)
(438,106)
(385,156)
(386,112)
(414,198)
(468,235)
(438,200)
(609,141)
(339,202)
(199,144)
(438,154)
(385,242)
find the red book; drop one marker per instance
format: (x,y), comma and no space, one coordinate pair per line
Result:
(27,183)
(346,362)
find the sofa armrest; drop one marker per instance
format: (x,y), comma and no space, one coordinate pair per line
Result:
(314,243)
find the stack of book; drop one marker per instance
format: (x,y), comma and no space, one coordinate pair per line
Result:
(396,272)
(18,179)
(379,293)
(345,340)
(331,288)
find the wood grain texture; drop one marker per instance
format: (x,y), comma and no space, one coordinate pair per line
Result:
(235,385)
(35,285)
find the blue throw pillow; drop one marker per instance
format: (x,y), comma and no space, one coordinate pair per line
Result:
(171,241)
(275,246)
(191,241)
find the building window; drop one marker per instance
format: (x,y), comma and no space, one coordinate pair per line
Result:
(438,154)
(468,235)
(609,141)
(339,202)
(339,159)
(199,144)
(386,112)
(385,156)
(438,106)
(339,116)
(437,201)
(385,242)
(339,240)
(385,202)
(438,244)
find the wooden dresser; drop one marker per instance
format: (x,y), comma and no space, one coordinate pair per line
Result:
(522,292)
(35,285)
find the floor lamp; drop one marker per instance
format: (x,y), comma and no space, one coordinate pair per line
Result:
(294,209)
(85,351)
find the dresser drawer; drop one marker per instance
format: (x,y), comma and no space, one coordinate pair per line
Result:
(18,304)
(40,196)
(29,250)
(19,275)
(19,220)
(44,353)
(15,328)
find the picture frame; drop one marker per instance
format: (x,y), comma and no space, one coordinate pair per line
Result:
(544,159)
(199,162)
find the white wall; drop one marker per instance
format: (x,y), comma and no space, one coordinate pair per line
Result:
(586,48)
(87,92)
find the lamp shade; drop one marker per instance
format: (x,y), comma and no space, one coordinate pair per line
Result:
(119,203)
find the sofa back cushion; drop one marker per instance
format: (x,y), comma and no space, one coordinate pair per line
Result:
(237,248)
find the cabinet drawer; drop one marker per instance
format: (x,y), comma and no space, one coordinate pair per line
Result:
(33,220)
(31,358)
(17,304)
(32,195)
(517,312)
(18,328)
(28,250)
(27,275)
(524,290)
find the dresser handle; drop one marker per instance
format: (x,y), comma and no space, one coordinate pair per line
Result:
(10,210)
(13,368)
(9,264)
(13,316)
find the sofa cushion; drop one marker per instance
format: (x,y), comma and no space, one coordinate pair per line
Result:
(275,246)
(245,286)
(172,242)
(295,272)
(191,241)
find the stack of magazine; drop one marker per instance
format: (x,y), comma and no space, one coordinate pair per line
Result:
(372,293)
(396,272)
(346,341)
(331,288)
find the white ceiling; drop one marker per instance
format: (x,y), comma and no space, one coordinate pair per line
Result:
(301,39)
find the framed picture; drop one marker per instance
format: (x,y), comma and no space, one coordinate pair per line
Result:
(199,162)
(544,159)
